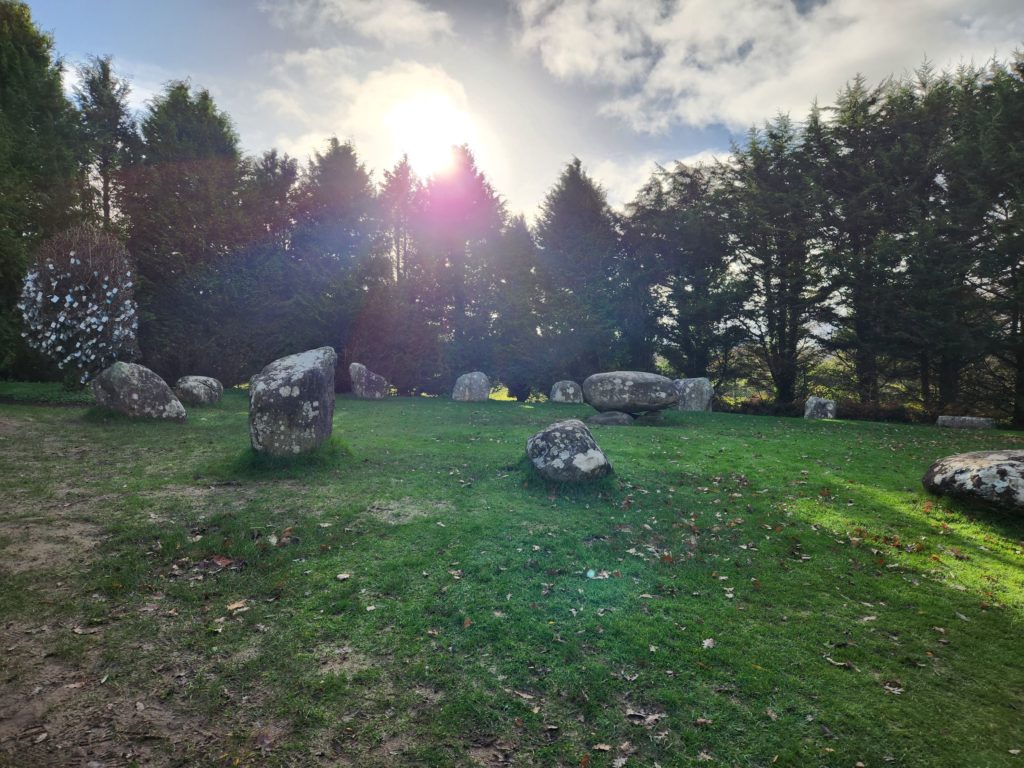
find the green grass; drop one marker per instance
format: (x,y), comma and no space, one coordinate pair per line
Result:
(854,618)
(49,393)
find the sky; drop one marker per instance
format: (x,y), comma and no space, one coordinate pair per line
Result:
(528,84)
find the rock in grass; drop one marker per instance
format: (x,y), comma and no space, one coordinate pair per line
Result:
(695,394)
(566,452)
(566,392)
(819,408)
(611,419)
(367,385)
(629,391)
(996,477)
(291,403)
(136,391)
(472,387)
(198,390)
(965,422)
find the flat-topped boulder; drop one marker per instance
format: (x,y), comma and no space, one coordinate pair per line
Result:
(966,422)
(819,408)
(611,419)
(695,394)
(291,403)
(198,390)
(566,392)
(136,391)
(472,387)
(367,385)
(996,477)
(566,452)
(630,391)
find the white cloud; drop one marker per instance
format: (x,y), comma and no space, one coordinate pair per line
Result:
(623,178)
(391,22)
(739,62)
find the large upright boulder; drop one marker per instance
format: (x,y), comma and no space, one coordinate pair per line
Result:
(566,392)
(198,390)
(472,387)
(136,391)
(819,408)
(630,391)
(996,477)
(695,394)
(291,403)
(566,452)
(367,385)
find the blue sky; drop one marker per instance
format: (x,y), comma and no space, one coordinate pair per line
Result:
(528,84)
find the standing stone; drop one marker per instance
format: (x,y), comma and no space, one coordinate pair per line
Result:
(996,477)
(819,408)
(695,394)
(136,391)
(611,419)
(199,390)
(472,387)
(566,392)
(367,385)
(629,391)
(566,452)
(291,403)
(965,422)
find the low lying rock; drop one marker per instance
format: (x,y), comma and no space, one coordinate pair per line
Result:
(291,403)
(966,422)
(819,408)
(566,452)
(629,391)
(199,390)
(566,392)
(695,394)
(472,387)
(367,385)
(611,419)
(136,391)
(996,477)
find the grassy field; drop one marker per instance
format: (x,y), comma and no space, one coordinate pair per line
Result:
(744,591)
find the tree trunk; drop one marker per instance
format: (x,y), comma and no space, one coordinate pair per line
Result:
(1018,390)
(949,380)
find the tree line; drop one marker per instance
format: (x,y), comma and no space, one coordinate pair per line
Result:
(871,251)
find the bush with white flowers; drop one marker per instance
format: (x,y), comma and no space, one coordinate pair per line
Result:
(77,302)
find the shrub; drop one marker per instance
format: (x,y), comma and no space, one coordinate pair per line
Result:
(77,302)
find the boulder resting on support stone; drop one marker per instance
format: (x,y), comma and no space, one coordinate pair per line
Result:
(136,391)
(566,392)
(291,403)
(819,408)
(367,385)
(472,387)
(566,452)
(629,391)
(198,390)
(996,477)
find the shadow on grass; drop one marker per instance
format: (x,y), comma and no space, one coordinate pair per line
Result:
(535,485)
(247,464)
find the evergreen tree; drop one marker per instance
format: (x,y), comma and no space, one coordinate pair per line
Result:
(110,135)
(401,202)
(38,161)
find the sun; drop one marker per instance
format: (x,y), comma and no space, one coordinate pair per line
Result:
(425,127)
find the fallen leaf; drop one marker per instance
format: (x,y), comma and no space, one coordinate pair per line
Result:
(86,630)
(709,643)
(343,576)
(602,747)
(702,721)
(467,623)
(236,605)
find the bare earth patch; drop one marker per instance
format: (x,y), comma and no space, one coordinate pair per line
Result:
(405,510)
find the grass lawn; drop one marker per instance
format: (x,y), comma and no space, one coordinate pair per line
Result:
(744,591)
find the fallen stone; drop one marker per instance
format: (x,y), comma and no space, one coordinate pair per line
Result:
(367,385)
(291,403)
(996,477)
(472,387)
(695,394)
(198,390)
(566,452)
(611,419)
(819,408)
(966,422)
(629,391)
(566,392)
(136,391)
